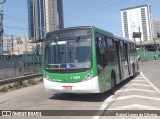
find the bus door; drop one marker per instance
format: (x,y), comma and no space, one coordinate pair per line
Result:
(117,44)
(127,62)
(129,57)
(124,60)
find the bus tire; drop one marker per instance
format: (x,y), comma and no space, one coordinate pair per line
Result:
(133,71)
(113,82)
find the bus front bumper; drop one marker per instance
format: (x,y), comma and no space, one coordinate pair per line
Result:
(90,86)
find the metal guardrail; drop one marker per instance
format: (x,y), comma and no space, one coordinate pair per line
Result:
(22,78)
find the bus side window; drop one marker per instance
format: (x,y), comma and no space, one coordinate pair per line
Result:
(111,50)
(97,51)
(132,49)
(100,51)
(122,48)
(106,57)
(101,46)
(121,45)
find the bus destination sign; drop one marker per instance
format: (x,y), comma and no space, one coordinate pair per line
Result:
(68,34)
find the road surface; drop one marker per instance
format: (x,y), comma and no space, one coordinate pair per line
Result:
(140,93)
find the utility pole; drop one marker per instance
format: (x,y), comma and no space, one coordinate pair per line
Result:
(26,51)
(140,37)
(133,26)
(1,25)
(12,44)
(142,45)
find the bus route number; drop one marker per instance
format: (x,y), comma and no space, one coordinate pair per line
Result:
(75,77)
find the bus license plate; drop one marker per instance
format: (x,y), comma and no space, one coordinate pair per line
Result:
(67,87)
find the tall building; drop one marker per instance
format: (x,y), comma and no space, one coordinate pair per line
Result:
(36,19)
(22,45)
(54,15)
(156,28)
(44,16)
(137,19)
(7,46)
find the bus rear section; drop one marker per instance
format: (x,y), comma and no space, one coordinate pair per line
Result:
(68,64)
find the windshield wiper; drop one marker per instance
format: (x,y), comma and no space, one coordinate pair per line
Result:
(74,45)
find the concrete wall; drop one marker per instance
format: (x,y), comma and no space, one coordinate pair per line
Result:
(11,66)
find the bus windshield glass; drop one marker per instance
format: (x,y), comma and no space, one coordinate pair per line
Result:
(68,54)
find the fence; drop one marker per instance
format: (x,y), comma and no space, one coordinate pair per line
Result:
(32,64)
(148,55)
(21,65)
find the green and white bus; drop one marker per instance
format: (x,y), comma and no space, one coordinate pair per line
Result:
(87,60)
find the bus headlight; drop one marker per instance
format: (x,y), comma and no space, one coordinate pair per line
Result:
(88,77)
(47,77)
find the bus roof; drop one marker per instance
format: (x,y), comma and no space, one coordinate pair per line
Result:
(98,29)
(123,38)
(113,35)
(68,28)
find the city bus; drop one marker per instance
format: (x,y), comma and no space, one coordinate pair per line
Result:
(87,59)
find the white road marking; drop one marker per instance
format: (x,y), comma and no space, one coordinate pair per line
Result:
(139,77)
(135,84)
(158,91)
(111,99)
(133,106)
(138,80)
(133,89)
(137,96)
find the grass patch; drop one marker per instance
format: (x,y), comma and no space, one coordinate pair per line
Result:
(4,89)
(10,87)
(24,84)
(18,85)
(32,82)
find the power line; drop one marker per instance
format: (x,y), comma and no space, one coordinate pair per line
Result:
(74,3)
(82,5)
(16,19)
(91,5)
(15,27)
(14,36)
(96,10)
(91,11)
(19,18)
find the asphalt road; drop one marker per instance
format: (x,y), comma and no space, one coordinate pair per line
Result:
(140,93)
(151,70)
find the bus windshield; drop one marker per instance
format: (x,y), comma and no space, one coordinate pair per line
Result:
(68,54)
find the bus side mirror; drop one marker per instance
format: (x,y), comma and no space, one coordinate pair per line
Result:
(37,49)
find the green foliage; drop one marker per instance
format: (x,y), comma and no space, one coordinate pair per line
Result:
(17,85)
(32,82)
(10,87)
(4,89)
(24,84)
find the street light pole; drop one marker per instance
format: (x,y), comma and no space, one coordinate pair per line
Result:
(25,52)
(133,26)
(1,26)
(12,44)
